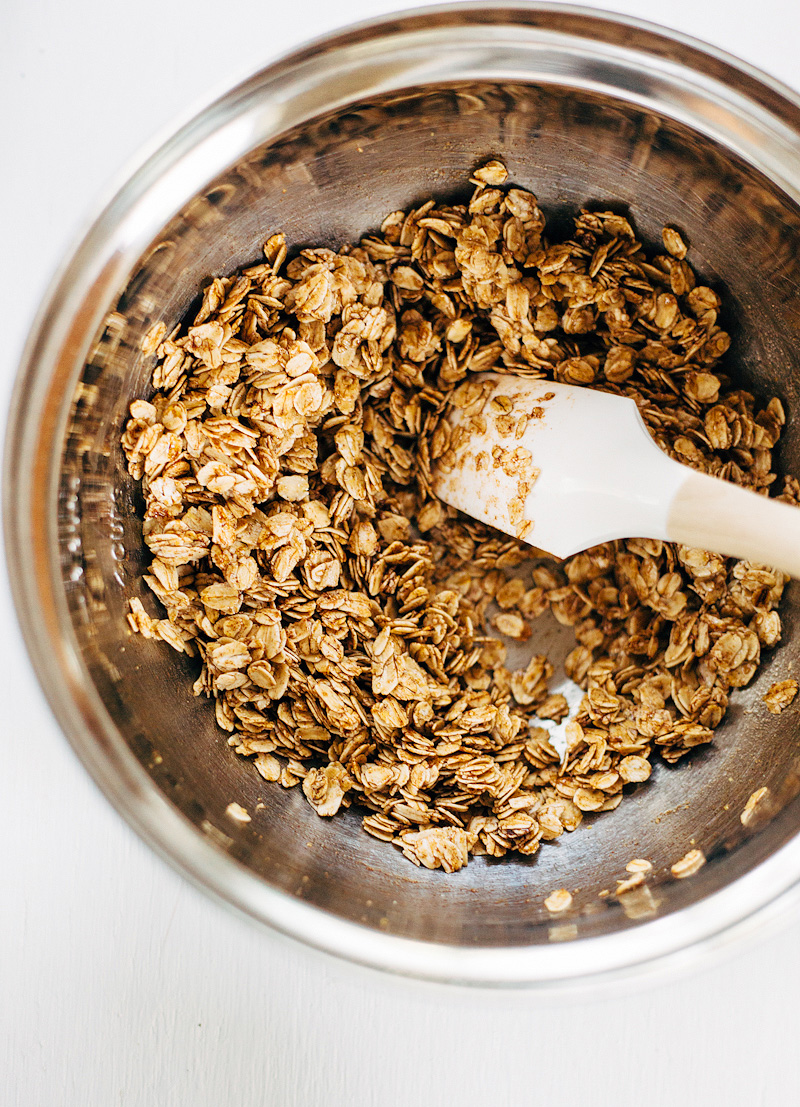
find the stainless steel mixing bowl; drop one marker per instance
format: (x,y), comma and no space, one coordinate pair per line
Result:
(585,109)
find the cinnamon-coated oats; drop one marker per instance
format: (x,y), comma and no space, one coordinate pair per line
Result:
(688,865)
(756,800)
(639,865)
(339,610)
(558,901)
(780,695)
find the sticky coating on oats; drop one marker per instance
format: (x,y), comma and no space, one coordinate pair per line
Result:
(342,616)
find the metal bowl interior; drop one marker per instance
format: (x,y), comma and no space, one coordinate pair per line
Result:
(585,111)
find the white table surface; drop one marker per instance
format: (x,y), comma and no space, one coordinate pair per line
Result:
(121,984)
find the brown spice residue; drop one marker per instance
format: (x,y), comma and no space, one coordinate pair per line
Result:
(339,610)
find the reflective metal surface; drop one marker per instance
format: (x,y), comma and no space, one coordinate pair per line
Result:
(584,110)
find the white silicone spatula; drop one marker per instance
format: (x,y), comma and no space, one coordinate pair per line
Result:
(566,468)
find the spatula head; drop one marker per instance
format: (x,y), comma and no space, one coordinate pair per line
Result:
(556,465)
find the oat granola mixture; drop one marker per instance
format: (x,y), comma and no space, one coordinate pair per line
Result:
(780,695)
(340,611)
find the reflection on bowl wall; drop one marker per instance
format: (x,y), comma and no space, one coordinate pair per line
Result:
(585,111)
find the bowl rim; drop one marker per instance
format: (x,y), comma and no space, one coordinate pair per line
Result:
(148,194)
